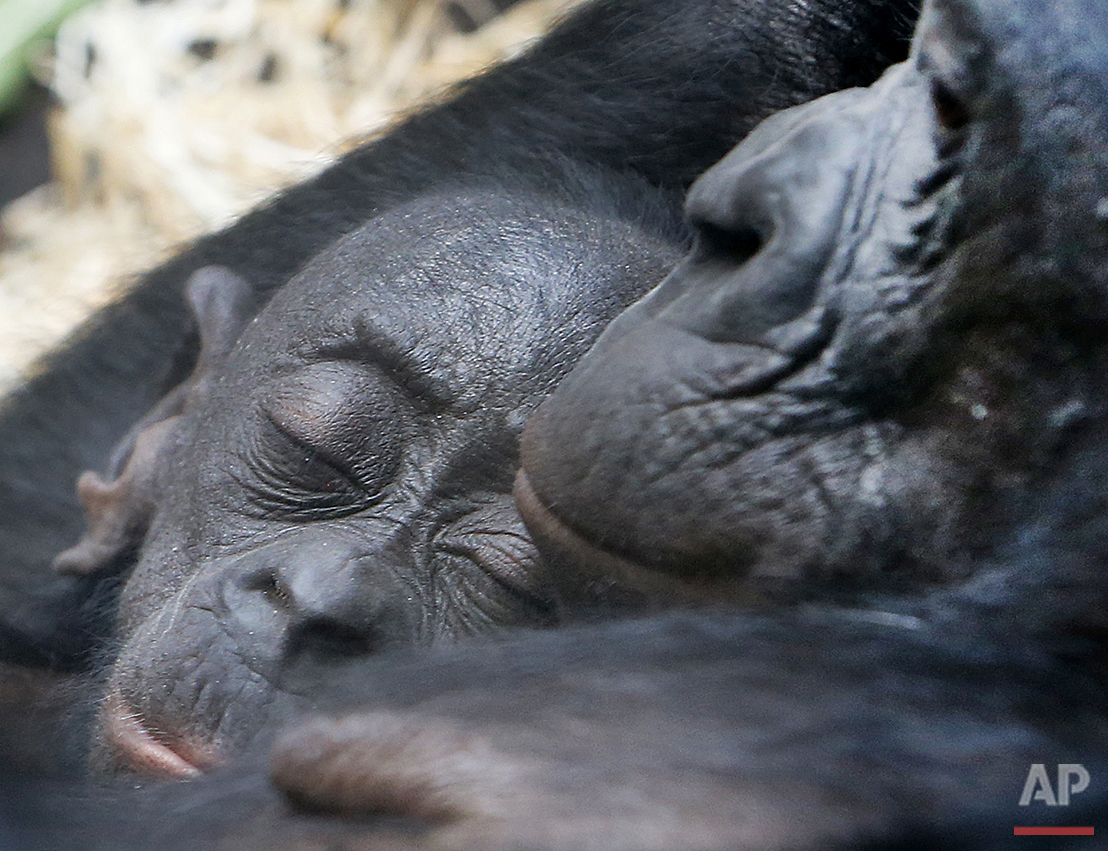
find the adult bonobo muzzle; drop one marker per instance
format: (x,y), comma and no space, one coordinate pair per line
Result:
(856,375)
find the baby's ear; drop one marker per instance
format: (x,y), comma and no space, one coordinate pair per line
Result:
(222,304)
(118,508)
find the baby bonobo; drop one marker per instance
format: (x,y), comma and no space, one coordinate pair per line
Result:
(338,484)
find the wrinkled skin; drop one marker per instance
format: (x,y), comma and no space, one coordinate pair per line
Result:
(888,334)
(340,484)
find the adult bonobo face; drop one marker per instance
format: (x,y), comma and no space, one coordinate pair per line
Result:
(338,482)
(891,329)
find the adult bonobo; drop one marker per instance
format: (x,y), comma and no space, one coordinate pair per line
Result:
(337,480)
(891,331)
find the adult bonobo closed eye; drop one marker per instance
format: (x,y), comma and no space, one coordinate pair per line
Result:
(887,335)
(336,481)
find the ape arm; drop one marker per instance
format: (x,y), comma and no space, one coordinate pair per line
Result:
(624,84)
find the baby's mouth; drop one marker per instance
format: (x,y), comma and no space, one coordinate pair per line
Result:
(136,748)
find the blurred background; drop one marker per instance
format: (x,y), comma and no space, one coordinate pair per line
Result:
(128,127)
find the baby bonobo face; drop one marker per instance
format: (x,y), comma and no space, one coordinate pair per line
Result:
(339,482)
(835,390)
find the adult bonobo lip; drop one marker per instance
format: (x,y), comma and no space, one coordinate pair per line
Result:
(852,378)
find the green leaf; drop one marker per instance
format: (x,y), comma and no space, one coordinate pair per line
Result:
(22,23)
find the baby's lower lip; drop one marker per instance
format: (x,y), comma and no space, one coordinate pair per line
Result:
(136,749)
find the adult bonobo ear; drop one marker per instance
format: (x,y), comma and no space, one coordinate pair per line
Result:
(118,508)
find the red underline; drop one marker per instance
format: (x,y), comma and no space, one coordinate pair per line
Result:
(1054,831)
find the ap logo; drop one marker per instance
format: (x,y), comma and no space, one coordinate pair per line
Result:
(1072,779)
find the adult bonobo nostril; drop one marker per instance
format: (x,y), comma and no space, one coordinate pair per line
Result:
(726,244)
(768,217)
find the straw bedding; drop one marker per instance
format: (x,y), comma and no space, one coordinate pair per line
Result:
(176,116)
